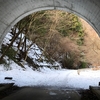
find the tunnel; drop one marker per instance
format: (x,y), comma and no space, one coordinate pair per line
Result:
(13,11)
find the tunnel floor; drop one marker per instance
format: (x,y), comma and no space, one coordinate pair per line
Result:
(46,93)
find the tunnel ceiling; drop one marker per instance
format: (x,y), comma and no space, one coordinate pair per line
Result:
(12,11)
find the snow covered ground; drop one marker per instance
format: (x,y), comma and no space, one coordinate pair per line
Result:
(49,77)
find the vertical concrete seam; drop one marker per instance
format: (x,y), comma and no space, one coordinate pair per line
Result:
(54,4)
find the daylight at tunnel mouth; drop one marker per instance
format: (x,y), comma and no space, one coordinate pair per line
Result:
(51,40)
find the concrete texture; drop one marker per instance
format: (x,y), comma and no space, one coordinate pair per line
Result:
(12,11)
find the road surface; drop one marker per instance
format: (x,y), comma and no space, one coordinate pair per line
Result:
(31,93)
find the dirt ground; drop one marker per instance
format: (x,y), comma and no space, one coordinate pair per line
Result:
(91,47)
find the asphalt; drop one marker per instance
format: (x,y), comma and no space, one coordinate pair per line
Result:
(31,93)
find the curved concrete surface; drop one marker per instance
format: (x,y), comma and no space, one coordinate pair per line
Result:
(11,11)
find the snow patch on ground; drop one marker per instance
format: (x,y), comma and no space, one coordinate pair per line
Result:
(49,77)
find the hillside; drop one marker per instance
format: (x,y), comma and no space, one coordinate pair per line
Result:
(60,36)
(91,47)
(89,52)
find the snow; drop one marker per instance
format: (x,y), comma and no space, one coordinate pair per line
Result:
(35,53)
(49,77)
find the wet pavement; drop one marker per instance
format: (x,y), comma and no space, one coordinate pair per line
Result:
(31,93)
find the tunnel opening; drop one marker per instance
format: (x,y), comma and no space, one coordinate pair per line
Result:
(54,36)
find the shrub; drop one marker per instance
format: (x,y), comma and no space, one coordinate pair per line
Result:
(10,53)
(83,64)
(69,61)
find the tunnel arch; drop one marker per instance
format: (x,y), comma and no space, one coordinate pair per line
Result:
(13,11)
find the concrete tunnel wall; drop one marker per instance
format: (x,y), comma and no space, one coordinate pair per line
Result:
(12,11)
